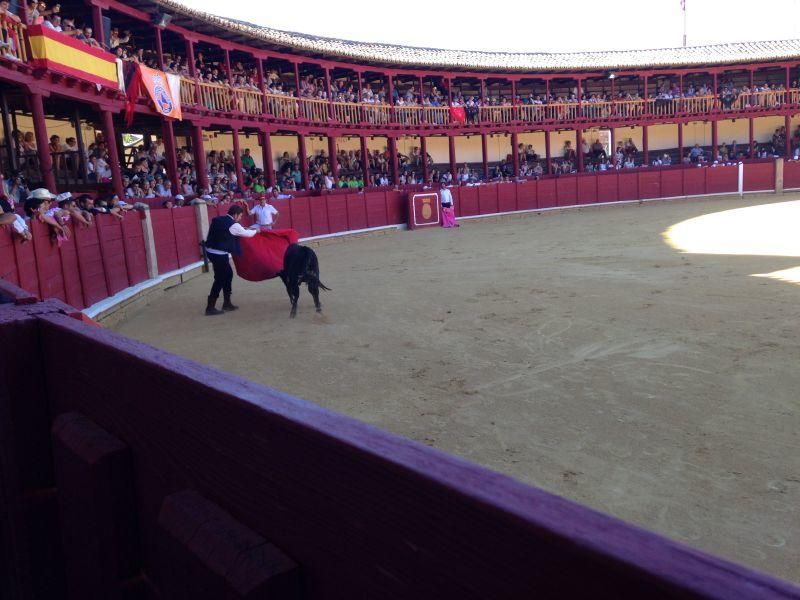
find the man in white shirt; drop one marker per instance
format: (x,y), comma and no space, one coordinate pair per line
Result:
(448,210)
(264,214)
(223,240)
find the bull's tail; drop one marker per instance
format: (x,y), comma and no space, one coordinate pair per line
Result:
(313,269)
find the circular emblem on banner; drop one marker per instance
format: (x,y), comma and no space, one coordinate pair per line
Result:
(163,99)
(426,209)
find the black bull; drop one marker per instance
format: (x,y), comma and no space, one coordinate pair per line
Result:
(300,265)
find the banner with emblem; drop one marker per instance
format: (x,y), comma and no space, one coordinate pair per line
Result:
(166,99)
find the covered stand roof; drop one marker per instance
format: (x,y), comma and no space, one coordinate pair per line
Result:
(260,36)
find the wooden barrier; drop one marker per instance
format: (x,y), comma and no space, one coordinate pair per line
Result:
(164,233)
(13,36)
(791,174)
(187,244)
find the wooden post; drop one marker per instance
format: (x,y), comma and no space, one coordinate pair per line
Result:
(452,146)
(7,131)
(579,148)
(788,137)
(149,243)
(113,153)
(751,138)
(97,23)
(680,143)
(714,141)
(42,143)
(328,92)
(332,162)
(159,47)
(168,133)
(645,146)
(266,158)
(548,156)
(395,170)
(515,152)
(301,156)
(778,175)
(201,217)
(201,168)
(81,159)
(484,156)
(365,160)
(423,149)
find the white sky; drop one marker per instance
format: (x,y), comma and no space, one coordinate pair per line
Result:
(524,25)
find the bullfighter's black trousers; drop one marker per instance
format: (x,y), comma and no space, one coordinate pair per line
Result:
(223,274)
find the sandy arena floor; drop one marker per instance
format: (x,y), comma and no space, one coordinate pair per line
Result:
(576,350)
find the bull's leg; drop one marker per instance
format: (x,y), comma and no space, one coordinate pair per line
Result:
(313,289)
(294,295)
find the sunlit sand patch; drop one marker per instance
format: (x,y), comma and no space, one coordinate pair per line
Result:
(788,275)
(764,230)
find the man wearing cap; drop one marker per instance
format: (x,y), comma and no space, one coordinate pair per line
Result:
(265,215)
(223,240)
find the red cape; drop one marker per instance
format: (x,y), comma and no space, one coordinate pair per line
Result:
(262,254)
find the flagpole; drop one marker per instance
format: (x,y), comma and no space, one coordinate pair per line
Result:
(683,4)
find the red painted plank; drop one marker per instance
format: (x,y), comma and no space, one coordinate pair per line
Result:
(791,174)
(356,211)
(337,212)
(527,195)
(48,262)
(376,209)
(547,193)
(487,199)
(396,203)
(186,242)
(607,190)
(8,259)
(672,183)
(301,216)
(164,234)
(722,180)
(587,189)
(507,197)
(285,213)
(628,185)
(71,272)
(649,184)
(112,247)
(135,253)
(760,176)
(694,181)
(318,211)
(567,191)
(93,278)
(468,199)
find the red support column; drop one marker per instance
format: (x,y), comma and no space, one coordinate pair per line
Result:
(485,156)
(483,100)
(193,70)
(332,162)
(303,158)
(365,161)
(613,143)
(113,152)
(237,156)
(42,142)
(548,156)
(423,149)
(515,152)
(613,98)
(680,101)
(201,168)
(452,145)
(328,92)
(680,143)
(97,23)
(159,46)
(579,148)
(715,93)
(449,91)
(228,66)
(360,97)
(262,85)
(645,147)
(297,78)
(751,137)
(266,158)
(788,136)
(514,101)
(646,103)
(395,170)
(580,100)
(171,155)
(714,141)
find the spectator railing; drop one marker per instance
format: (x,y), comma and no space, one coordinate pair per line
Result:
(248,101)
(347,112)
(559,111)
(376,114)
(282,107)
(532,112)
(408,115)
(314,110)
(188,92)
(436,115)
(498,114)
(769,99)
(69,169)
(12,40)
(215,96)
(699,104)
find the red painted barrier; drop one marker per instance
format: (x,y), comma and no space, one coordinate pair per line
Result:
(356,211)
(760,176)
(722,180)
(377,212)
(791,174)
(468,199)
(507,197)
(487,198)
(164,234)
(649,184)
(301,216)
(628,185)
(567,191)
(48,262)
(607,187)
(396,207)
(587,189)
(672,183)
(284,213)
(547,193)
(318,211)
(527,195)
(184,223)
(135,253)
(71,272)
(90,260)
(337,213)
(694,181)
(112,248)
(8,259)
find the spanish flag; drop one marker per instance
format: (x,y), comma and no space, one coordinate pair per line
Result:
(56,51)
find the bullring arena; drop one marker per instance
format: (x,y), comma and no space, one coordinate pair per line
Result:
(588,389)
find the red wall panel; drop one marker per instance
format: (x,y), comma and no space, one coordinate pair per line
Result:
(487,198)
(760,176)
(70,270)
(8,259)
(135,253)
(468,201)
(337,212)
(722,180)
(587,189)
(164,234)
(507,197)
(649,184)
(356,211)
(694,181)
(672,183)
(628,185)
(546,193)
(376,209)
(791,174)
(396,203)
(112,248)
(526,195)
(284,213)
(187,245)
(567,191)
(301,216)
(607,190)
(48,262)
(90,259)
(318,211)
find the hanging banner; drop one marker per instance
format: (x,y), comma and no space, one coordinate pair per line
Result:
(55,51)
(158,89)
(458,114)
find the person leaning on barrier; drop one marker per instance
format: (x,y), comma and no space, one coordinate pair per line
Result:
(222,241)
